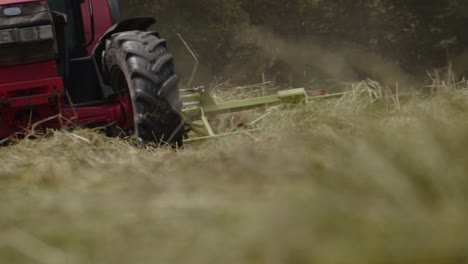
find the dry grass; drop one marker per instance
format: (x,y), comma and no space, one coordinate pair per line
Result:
(344,181)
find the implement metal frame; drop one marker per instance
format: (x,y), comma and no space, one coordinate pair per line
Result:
(199,105)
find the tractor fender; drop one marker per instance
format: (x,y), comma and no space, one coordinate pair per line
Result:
(115,11)
(129,24)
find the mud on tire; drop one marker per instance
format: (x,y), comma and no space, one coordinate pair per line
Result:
(138,63)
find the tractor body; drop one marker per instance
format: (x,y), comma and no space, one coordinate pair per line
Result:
(65,63)
(53,74)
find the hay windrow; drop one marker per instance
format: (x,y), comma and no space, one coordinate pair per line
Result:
(362,180)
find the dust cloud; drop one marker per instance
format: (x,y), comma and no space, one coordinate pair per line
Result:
(313,58)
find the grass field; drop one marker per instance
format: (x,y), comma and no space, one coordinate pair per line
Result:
(344,181)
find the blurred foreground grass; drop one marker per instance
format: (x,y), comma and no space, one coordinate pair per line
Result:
(333,182)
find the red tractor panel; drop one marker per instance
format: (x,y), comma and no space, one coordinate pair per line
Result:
(102,22)
(72,67)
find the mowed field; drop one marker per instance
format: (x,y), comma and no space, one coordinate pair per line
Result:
(355,180)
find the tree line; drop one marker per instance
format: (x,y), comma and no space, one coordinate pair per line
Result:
(244,38)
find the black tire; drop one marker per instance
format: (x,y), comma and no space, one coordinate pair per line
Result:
(138,63)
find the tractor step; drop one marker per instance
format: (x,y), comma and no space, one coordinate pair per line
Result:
(27,94)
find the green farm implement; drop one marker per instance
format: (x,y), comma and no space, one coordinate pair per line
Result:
(200,106)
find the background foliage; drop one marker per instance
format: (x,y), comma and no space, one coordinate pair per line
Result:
(411,36)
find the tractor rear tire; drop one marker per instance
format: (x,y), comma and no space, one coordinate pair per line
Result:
(138,64)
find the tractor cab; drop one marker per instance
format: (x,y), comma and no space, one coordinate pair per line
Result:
(86,21)
(79,25)
(73,62)
(58,35)
(69,26)
(78,30)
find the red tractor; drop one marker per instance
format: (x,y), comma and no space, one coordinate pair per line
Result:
(73,62)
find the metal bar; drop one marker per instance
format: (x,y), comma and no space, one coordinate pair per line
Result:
(189,98)
(199,128)
(197,62)
(328,96)
(207,126)
(198,139)
(210,107)
(241,105)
